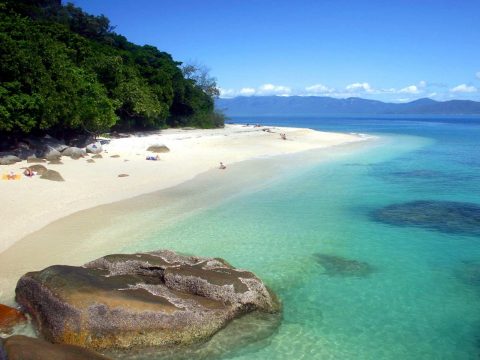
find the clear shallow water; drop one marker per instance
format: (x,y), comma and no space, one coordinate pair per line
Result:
(352,287)
(422,298)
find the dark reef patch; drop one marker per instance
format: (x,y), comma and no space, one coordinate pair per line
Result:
(340,266)
(444,216)
(469,273)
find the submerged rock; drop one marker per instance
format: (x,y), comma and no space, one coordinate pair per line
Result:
(149,299)
(444,216)
(21,347)
(469,273)
(340,266)
(9,317)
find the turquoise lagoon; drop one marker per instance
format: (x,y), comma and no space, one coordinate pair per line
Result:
(419,299)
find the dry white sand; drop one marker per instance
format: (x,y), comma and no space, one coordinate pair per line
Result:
(29,204)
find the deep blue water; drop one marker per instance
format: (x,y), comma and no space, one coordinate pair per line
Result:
(374,256)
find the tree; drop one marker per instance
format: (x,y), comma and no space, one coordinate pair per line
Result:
(200,74)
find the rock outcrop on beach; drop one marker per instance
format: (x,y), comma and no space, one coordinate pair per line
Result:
(74,152)
(9,317)
(159,298)
(94,148)
(9,160)
(52,175)
(158,148)
(21,347)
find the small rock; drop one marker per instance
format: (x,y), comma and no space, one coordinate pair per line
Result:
(52,175)
(9,317)
(19,347)
(74,152)
(35,160)
(95,148)
(9,160)
(39,169)
(55,162)
(158,148)
(91,161)
(123,175)
(97,156)
(115,156)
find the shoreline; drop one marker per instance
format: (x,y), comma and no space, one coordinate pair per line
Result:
(33,203)
(79,231)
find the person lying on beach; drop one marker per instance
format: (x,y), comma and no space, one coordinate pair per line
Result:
(283,136)
(28,172)
(222,166)
(154,158)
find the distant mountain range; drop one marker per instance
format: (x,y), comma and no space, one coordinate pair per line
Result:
(317,105)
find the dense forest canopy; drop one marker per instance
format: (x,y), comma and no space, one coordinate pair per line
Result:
(64,71)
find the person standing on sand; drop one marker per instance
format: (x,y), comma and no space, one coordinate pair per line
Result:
(222,167)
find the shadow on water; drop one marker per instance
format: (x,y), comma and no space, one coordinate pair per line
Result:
(449,217)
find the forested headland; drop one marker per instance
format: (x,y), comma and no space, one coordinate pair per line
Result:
(63,71)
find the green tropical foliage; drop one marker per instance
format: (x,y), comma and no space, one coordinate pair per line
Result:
(63,70)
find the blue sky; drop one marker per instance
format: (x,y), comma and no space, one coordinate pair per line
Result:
(393,50)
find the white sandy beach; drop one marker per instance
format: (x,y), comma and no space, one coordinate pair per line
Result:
(31,203)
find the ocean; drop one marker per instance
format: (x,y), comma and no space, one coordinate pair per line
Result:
(374,256)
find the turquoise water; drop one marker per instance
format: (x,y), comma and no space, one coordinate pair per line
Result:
(419,299)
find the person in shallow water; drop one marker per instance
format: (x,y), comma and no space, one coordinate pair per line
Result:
(222,166)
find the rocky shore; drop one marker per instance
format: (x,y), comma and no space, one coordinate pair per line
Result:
(124,301)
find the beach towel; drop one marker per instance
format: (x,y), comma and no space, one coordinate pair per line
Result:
(16,177)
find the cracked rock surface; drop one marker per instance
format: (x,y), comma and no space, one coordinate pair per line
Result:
(159,298)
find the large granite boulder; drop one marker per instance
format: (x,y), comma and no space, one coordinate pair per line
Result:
(19,347)
(150,299)
(9,317)
(51,154)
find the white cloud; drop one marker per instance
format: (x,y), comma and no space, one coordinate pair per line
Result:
(359,87)
(270,89)
(412,89)
(422,84)
(247,91)
(319,89)
(478,75)
(227,93)
(463,88)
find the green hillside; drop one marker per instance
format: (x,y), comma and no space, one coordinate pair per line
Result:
(63,71)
